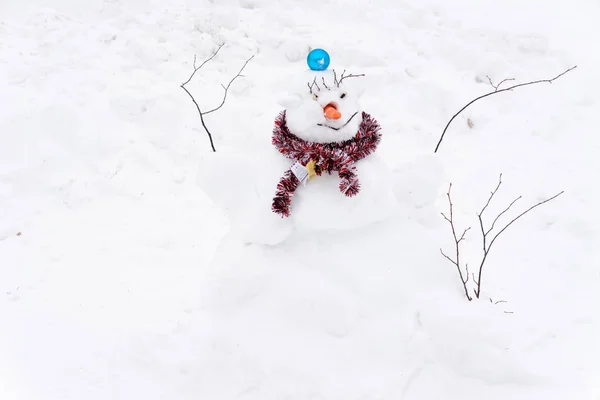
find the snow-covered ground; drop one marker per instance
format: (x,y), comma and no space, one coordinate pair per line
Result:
(115,282)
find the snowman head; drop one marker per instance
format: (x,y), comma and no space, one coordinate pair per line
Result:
(327,111)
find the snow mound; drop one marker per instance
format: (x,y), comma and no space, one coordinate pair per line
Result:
(114,280)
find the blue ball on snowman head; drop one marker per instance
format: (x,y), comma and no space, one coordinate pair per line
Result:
(318,60)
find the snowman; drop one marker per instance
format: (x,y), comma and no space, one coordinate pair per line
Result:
(319,173)
(331,142)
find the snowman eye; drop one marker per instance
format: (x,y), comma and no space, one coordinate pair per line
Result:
(315,97)
(343,95)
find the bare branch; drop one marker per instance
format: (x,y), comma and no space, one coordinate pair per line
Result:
(501,82)
(499,215)
(446,218)
(226,88)
(485,233)
(448,258)
(343,126)
(338,83)
(492,195)
(480,215)
(212,145)
(312,85)
(520,215)
(201,65)
(496,90)
(324,84)
(487,247)
(239,74)
(457,241)
(462,237)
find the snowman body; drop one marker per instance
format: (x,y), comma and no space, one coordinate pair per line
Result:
(322,112)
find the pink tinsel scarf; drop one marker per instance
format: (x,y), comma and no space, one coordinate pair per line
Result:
(332,157)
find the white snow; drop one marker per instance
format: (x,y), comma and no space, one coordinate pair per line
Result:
(125,269)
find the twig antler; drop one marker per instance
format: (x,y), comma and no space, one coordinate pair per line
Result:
(463,278)
(338,82)
(313,85)
(226,88)
(497,90)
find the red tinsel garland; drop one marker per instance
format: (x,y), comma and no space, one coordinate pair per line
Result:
(332,157)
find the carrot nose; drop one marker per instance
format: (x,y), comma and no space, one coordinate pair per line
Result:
(331,112)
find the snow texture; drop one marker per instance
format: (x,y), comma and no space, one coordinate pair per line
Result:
(135,263)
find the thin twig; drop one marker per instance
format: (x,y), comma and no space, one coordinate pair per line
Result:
(492,195)
(239,74)
(487,244)
(520,215)
(479,216)
(201,65)
(457,241)
(496,90)
(312,85)
(339,82)
(212,145)
(487,247)
(343,126)
(348,76)
(501,82)
(226,88)
(502,213)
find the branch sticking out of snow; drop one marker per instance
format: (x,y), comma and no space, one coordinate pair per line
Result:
(487,243)
(487,246)
(497,90)
(225,88)
(456,261)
